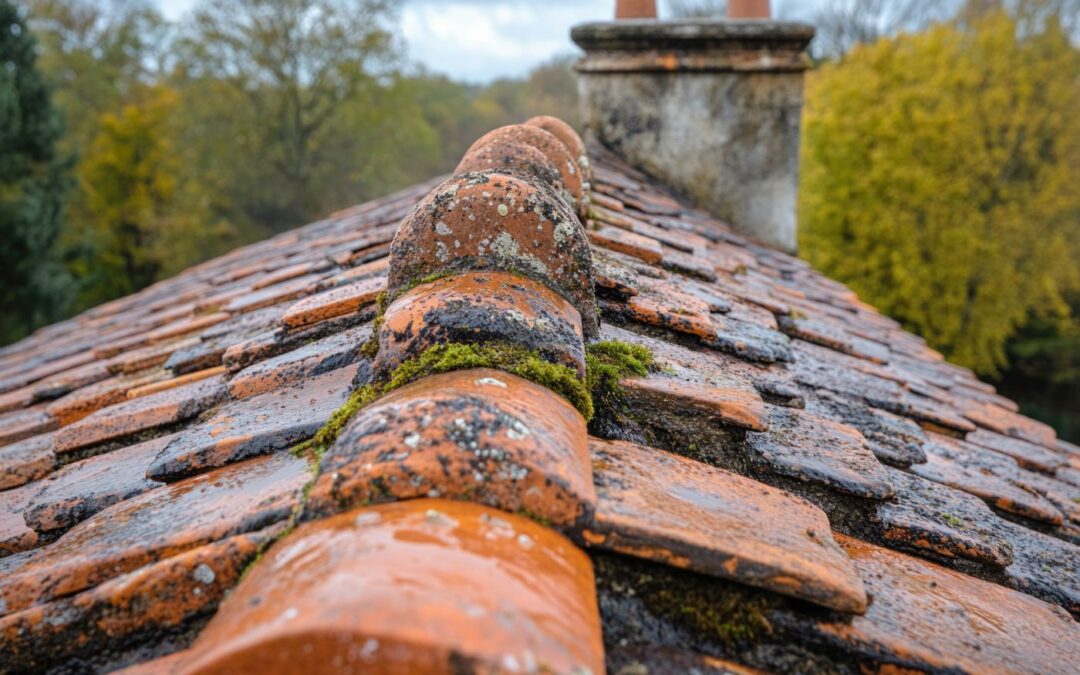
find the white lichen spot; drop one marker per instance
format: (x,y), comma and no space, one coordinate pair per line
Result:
(478,477)
(517,431)
(510,663)
(412,440)
(503,210)
(369,648)
(204,575)
(563,230)
(491,381)
(442,229)
(571,168)
(442,254)
(525,541)
(289,614)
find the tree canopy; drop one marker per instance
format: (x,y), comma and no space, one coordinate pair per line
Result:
(939,180)
(32,184)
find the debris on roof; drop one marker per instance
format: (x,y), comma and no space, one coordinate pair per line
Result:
(557,421)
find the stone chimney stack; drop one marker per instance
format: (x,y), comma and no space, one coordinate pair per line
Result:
(710,108)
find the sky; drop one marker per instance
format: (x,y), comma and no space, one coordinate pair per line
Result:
(480,40)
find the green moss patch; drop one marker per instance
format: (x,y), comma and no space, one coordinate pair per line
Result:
(606,363)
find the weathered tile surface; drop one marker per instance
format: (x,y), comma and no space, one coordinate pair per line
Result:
(812,449)
(417,586)
(263,424)
(140,414)
(26,461)
(661,506)
(81,489)
(481,434)
(155,525)
(927,617)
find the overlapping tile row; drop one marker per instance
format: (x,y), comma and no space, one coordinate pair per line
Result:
(781,408)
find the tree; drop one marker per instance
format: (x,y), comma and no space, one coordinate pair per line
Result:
(129,177)
(939,180)
(287,68)
(842,24)
(32,185)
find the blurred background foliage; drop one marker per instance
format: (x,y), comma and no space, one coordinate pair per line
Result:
(941,157)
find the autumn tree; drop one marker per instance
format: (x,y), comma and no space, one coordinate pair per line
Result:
(32,185)
(286,69)
(940,180)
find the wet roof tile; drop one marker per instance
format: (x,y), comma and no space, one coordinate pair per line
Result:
(26,461)
(259,425)
(157,524)
(333,303)
(927,517)
(661,506)
(417,586)
(97,625)
(15,536)
(813,449)
(81,489)
(140,414)
(963,467)
(480,433)
(927,617)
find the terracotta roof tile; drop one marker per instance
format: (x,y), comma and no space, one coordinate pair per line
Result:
(140,414)
(16,426)
(961,466)
(927,617)
(660,506)
(259,425)
(26,461)
(813,449)
(928,517)
(97,625)
(421,586)
(155,525)
(15,536)
(81,489)
(478,308)
(333,303)
(480,434)
(740,407)
(496,222)
(321,356)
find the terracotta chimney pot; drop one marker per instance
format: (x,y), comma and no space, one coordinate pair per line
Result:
(748,9)
(635,9)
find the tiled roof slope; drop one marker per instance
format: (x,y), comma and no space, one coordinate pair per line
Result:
(795,485)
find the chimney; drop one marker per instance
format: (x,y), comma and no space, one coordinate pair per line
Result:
(635,9)
(710,108)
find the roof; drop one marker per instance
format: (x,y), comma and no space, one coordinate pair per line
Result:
(792,483)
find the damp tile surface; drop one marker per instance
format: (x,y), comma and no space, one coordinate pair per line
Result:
(130,503)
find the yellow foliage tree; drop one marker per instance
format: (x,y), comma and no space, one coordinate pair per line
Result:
(941,180)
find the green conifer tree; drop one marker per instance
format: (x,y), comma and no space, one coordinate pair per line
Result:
(33,181)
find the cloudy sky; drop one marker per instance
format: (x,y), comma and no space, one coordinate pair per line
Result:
(479,40)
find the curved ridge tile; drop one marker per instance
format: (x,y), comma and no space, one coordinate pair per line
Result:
(478,434)
(417,586)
